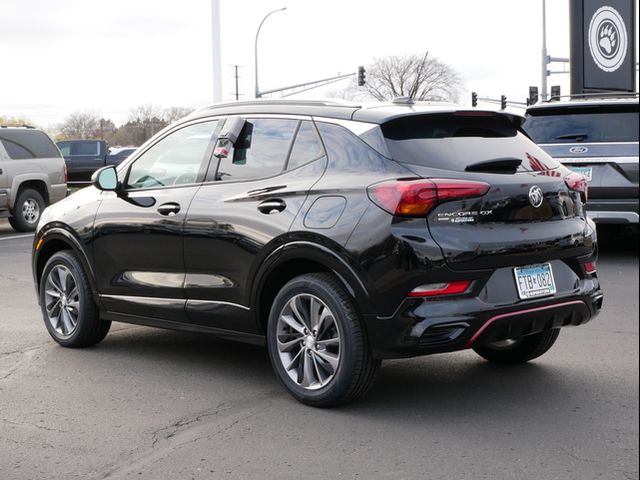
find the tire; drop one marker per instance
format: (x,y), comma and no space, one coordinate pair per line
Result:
(522,350)
(339,372)
(69,313)
(27,210)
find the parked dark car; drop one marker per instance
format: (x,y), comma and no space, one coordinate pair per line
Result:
(83,157)
(335,235)
(598,138)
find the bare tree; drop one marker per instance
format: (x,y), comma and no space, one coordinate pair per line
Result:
(15,121)
(146,120)
(80,126)
(172,114)
(421,77)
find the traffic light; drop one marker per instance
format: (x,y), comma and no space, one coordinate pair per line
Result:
(474,99)
(503,102)
(362,79)
(555,92)
(533,96)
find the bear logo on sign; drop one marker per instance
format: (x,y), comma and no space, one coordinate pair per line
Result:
(607,39)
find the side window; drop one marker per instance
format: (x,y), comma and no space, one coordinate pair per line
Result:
(65,148)
(175,160)
(86,148)
(306,147)
(260,151)
(24,144)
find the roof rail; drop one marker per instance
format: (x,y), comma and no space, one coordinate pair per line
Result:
(278,101)
(17,126)
(587,96)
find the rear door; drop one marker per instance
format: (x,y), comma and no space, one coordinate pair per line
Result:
(85,157)
(529,214)
(242,212)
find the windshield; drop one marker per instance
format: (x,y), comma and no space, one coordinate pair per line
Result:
(560,125)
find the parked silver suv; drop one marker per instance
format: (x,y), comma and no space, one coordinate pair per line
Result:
(32,175)
(598,138)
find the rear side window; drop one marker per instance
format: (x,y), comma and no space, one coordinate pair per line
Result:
(306,146)
(455,142)
(593,124)
(85,148)
(24,144)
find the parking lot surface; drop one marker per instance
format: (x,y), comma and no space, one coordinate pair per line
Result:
(157,404)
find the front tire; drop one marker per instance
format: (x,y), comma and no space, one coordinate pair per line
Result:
(27,210)
(317,344)
(68,310)
(519,350)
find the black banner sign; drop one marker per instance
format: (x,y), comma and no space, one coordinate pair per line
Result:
(603,56)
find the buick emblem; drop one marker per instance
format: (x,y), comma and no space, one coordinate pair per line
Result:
(535,196)
(607,39)
(578,149)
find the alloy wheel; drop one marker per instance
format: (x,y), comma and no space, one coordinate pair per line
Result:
(30,211)
(62,300)
(308,341)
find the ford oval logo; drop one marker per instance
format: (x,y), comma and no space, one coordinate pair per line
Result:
(578,149)
(535,196)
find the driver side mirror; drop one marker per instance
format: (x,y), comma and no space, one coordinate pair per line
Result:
(106,179)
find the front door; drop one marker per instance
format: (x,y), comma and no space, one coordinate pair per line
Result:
(138,246)
(241,212)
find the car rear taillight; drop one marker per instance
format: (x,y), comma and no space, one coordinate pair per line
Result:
(589,267)
(415,198)
(436,289)
(66,174)
(578,183)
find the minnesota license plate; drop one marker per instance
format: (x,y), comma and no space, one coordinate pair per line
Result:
(535,281)
(586,172)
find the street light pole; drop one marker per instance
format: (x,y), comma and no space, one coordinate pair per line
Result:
(544,50)
(257,91)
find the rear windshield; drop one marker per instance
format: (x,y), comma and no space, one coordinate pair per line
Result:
(594,124)
(23,144)
(455,142)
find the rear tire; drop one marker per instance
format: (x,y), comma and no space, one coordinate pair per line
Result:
(317,345)
(27,210)
(68,310)
(524,349)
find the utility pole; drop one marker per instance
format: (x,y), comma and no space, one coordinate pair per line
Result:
(544,50)
(236,77)
(216,55)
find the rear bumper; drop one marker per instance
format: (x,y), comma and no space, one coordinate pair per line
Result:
(422,326)
(616,211)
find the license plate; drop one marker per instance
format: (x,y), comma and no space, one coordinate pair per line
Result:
(535,281)
(586,172)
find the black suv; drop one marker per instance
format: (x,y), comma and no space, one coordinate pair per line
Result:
(336,235)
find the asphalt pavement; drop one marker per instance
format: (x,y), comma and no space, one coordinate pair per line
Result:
(157,404)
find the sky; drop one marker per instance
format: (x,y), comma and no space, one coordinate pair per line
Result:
(107,56)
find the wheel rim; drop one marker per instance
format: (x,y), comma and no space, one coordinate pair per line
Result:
(30,211)
(62,300)
(308,341)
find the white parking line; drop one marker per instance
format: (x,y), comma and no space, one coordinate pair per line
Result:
(16,236)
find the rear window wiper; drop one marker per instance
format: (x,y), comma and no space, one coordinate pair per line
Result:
(573,136)
(498,165)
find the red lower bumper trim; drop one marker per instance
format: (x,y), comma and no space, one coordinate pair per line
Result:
(516,313)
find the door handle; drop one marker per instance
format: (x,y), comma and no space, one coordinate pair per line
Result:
(169,209)
(270,207)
